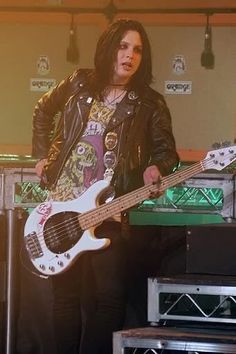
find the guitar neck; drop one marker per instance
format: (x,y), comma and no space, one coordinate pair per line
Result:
(105,211)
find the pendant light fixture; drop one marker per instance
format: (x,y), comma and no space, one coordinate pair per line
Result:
(72,53)
(207,57)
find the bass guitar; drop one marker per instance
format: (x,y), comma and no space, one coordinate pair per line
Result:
(56,233)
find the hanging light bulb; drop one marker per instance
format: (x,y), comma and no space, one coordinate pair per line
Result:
(207,57)
(72,52)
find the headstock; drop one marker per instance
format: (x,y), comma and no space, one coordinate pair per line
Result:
(220,158)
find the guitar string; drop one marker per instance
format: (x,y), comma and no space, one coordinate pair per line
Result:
(66,222)
(86,214)
(59,227)
(71,220)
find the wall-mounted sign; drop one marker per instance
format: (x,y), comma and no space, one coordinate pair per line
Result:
(178,87)
(42,84)
(179,65)
(43,65)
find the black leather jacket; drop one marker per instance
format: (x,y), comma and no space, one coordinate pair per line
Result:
(147,137)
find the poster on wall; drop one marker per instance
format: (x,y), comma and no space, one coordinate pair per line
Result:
(178,87)
(43,65)
(42,85)
(179,65)
(43,68)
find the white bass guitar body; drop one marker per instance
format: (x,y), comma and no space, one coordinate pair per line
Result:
(54,236)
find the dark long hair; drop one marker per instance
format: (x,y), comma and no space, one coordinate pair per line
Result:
(106,51)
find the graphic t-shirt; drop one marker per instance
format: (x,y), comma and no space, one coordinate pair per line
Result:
(85,165)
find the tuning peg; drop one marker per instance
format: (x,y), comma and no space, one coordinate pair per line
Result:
(226,143)
(216,145)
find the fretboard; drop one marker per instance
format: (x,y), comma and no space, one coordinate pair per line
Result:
(105,211)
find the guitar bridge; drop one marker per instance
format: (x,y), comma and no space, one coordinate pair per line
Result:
(33,246)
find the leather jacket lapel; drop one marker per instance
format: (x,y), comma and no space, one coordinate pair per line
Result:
(84,103)
(77,111)
(125,109)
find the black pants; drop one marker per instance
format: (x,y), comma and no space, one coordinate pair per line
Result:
(90,298)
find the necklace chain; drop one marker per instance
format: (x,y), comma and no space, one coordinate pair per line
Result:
(114,96)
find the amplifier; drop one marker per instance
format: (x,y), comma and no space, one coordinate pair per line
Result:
(211,249)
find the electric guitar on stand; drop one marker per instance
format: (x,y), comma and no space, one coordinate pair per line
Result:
(56,233)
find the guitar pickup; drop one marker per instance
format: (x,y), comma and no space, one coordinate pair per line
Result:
(33,246)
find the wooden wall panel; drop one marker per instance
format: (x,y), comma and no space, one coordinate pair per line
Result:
(25,35)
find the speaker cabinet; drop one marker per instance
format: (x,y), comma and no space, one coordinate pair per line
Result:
(211,249)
